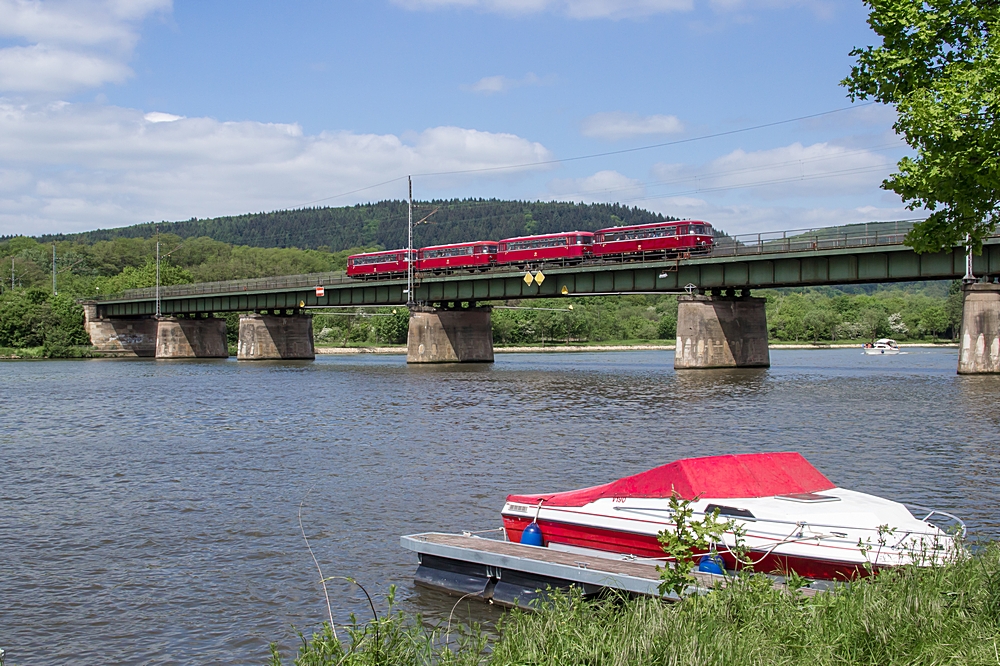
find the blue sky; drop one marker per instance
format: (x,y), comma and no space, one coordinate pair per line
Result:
(115,112)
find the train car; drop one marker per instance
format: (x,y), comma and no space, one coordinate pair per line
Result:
(477,256)
(666,238)
(389,263)
(568,246)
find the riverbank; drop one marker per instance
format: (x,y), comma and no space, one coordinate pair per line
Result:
(911,615)
(39,353)
(534,349)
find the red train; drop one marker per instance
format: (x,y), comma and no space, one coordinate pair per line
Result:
(660,239)
(388,263)
(480,255)
(670,238)
(568,246)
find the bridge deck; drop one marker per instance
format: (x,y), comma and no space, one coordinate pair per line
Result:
(793,261)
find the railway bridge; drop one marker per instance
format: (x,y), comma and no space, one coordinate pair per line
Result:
(720,324)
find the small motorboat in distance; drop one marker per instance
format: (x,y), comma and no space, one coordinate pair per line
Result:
(882,346)
(793,518)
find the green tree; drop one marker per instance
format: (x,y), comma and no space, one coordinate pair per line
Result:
(639,328)
(392,326)
(874,322)
(934,320)
(37,318)
(939,66)
(144,276)
(666,329)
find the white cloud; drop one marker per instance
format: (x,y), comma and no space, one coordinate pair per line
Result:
(753,219)
(71,44)
(41,69)
(822,8)
(603,186)
(821,169)
(76,166)
(160,117)
(790,187)
(579,9)
(498,84)
(616,125)
(741,10)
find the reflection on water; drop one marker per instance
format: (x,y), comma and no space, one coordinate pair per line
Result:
(148,510)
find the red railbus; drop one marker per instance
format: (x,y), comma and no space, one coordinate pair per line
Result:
(390,263)
(568,246)
(438,259)
(666,238)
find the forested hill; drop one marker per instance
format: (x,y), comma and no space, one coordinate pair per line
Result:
(384,224)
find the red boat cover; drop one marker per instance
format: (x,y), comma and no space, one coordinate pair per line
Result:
(747,475)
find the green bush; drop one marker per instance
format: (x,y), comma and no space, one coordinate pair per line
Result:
(36,318)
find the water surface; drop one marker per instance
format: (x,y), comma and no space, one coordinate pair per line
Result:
(148,510)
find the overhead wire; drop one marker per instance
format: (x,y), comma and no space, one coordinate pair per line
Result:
(653,146)
(697,176)
(610,153)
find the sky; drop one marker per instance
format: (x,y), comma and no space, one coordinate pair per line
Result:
(118,112)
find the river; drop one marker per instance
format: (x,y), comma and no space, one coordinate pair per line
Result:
(149,510)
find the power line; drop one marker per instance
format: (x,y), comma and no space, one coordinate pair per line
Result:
(609,153)
(665,144)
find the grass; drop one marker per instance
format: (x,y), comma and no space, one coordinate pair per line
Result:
(43,352)
(927,616)
(27,352)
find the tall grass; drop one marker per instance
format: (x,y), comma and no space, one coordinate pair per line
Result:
(912,615)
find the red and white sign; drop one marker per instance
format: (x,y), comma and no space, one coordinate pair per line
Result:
(320,291)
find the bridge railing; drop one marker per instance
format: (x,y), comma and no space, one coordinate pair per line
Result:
(796,240)
(823,238)
(229,286)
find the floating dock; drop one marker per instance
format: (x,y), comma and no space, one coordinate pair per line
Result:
(513,574)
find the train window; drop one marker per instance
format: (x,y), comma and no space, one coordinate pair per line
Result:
(372,259)
(584,240)
(682,230)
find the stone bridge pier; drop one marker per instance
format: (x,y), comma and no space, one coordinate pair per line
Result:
(449,335)
(721,332)
(979,341)
(120,336)
(273,337)
(194,337)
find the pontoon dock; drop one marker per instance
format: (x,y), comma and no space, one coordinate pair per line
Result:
(512,574)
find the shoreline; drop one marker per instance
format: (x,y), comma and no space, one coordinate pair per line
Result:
(346,351)
(401,351)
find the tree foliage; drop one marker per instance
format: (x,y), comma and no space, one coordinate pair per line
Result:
(37,318)
(939,66)
(384,224)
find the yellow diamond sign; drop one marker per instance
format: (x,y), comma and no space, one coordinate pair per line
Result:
(527,278)
(539,278)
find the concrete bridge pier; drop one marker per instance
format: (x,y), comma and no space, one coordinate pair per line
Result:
(463,335)
(979,351)
(191,338)
(276,338)
(721,332)
(120,336)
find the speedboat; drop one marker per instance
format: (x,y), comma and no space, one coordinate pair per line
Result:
(788,514)
(882,346)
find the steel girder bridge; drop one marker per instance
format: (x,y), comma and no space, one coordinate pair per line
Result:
(855,254)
